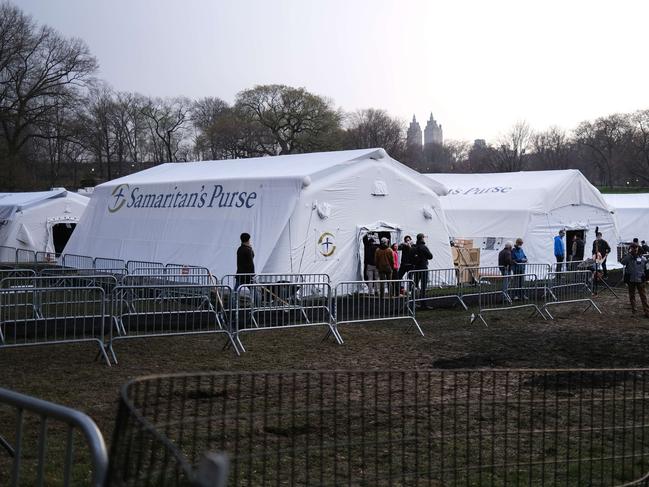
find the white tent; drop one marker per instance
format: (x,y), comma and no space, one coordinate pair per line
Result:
(631,213)
(306,213)
(40,221)
(534,205)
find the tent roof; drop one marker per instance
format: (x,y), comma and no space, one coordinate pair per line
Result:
(10,203)
(628,200)
(303,167)
(535,191)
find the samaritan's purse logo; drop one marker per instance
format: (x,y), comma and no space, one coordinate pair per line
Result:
(327,244)
(120,198)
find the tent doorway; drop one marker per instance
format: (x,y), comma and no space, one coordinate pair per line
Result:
(61,233)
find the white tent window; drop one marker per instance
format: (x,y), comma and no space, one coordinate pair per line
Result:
(380,188)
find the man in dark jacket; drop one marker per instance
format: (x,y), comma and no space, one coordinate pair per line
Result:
(505,265)
(601,247)
(407,252)
(577,252)
(370,272)
(421,255)
(635,269)
(245,261)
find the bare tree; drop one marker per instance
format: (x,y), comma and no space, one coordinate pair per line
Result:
(294,119)
(206,114)
(639,166)
(606,141)
(167,120)
(553,149)
(376,128)
(40,71)
(510,153)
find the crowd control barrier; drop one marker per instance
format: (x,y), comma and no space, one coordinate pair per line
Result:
(39,316)
(132,265)
(512,291)
(39,460)
(569,287)
(77,261)
(436,284)
(279,304)
(384,428)
(143,311)
(379,300)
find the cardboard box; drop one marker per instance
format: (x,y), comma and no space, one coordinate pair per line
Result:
(464,243)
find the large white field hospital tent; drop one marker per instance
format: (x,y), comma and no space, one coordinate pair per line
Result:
(306,213)
(40,221)
(632,215)
(533,205)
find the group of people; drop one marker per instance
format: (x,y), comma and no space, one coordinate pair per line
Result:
(382,261)
(565,261)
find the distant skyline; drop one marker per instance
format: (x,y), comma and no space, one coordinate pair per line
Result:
(477,66)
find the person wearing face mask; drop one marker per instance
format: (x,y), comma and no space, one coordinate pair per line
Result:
(635,276)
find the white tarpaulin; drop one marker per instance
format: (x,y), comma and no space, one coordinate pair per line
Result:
(631,213)
(301,210)
(534,205)
(28,220)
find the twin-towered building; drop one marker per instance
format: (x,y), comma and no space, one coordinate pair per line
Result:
(433,133)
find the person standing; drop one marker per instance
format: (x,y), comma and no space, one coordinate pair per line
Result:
(407,252)
(519,259)
(406,262)
(395,261)
(635,276)
(505,265)
(559,250)
(644,248)
(245,262)
(384,261)
(601,249)
(421,256)
(371,273)
(577,252)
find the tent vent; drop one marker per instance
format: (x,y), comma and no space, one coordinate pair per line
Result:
(380,188)
(428,213)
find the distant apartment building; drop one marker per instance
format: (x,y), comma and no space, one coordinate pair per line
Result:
(432,134)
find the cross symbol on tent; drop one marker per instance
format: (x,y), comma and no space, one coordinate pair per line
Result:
(327,243)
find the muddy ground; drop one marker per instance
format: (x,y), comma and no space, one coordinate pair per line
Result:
(69,375)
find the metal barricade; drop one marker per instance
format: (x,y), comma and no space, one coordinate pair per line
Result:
(132,265)
(233,280)
(105,281)
(7,255)
(570,287)
(46,257)
(445,428)
(24,256)
(470,277)
(279,304)
(5,273)
(136,437)
(439,284)
(371,301)
(49,315)
(106,263)
(142,311)
(118,273)
(78,261)
(52,444)
(512,291)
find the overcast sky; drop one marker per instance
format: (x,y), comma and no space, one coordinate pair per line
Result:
(478,66)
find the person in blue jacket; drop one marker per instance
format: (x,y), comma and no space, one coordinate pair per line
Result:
(519,259)
(560,250)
